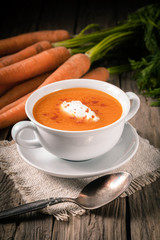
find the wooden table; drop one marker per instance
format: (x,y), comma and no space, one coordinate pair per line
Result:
(135,217)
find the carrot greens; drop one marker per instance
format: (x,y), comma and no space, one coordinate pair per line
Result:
(147,73)
(103,47)
(134,42)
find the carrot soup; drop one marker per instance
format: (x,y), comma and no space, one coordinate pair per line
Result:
(77,109)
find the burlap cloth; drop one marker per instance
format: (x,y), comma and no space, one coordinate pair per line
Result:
(34,184)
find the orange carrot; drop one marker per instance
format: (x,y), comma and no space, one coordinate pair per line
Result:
(15,103)
(17,43)
(99,73)
(13,115)
(5,87)
(34,66)
(75,67)
(25,53)
(22,89)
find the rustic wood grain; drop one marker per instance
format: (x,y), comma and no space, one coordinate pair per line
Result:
(9,197)
(52,18)
(144,205)
(147,119)
(93,12)
(107,222)
(34,226)
(26,226)
(145,213)
(136,217)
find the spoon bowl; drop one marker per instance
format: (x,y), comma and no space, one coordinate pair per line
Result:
(103,190)
(94,195)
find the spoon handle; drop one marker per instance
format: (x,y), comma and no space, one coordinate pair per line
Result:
(28,207)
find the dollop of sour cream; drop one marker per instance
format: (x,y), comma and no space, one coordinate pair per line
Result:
(79,110)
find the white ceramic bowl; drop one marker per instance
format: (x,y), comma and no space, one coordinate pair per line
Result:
(76,145)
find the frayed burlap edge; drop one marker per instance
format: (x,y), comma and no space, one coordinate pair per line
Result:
(138,183)
(25,191)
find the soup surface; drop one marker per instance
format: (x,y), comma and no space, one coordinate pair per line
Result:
(77,109)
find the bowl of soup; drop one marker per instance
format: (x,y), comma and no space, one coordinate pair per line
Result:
(77,119)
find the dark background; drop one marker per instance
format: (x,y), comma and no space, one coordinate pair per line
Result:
(25,16)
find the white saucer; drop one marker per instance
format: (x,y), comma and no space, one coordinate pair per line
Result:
(50,164)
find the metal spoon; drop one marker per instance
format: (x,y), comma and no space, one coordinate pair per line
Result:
(94,195)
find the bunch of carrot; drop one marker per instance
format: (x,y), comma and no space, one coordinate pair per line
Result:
(29,61)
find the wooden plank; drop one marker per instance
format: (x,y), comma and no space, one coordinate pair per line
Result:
(9,197)
(26,16)
(34,226)
(26,226)
(147,120)
(144,205)
(107,222)
(145,213)
(104,14)
(56,16)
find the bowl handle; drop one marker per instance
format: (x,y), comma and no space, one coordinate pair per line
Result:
(135,104)
(16,134)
